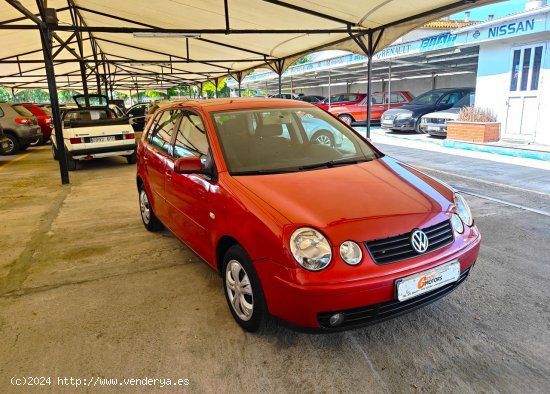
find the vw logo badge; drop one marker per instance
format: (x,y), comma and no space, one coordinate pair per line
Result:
(419,241)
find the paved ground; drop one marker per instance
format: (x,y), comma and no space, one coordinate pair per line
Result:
(86,292)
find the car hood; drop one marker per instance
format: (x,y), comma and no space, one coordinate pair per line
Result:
(415,109)
(370,200)
(451,113)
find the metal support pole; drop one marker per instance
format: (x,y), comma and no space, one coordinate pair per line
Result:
(389,85)
(13,94)
(291,86)
(239,87)
(46,38)
(329,82)
(280,82)
(84,84)
(369,83)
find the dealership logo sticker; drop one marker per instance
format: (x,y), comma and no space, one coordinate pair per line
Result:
(476,34)
(419,241)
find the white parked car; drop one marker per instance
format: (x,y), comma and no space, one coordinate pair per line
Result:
(95,132)
(435,123)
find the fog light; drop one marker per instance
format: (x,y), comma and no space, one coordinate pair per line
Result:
(336,319)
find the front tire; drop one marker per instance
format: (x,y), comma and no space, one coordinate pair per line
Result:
(150,220)
(417,127)
(243,290)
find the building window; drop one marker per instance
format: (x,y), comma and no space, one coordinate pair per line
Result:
(515,71)
(536,68)
(525,68)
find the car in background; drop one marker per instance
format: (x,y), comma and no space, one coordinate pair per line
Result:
(313,99)
(20,127)
(407,118)
(91,132)
(350,113)
(321,237)
(435,123)
(287,96)
(44,117)
(137,114)
(341,99)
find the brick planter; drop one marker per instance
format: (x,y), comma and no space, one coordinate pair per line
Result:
(473,131)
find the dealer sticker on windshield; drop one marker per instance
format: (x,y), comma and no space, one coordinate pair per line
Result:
(423,282)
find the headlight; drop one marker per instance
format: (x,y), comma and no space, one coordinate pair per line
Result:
(351,253)
(463,210)
(457,223)
(404,116)
(310,249)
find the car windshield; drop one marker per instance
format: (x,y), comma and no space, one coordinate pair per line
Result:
(465,101)
(276,140)
(428,98)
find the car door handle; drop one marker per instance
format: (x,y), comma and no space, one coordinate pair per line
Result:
(168,173)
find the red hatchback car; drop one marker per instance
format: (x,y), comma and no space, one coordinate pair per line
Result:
(381,102)
(319,236)
(44,118)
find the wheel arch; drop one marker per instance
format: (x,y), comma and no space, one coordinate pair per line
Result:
(222,246)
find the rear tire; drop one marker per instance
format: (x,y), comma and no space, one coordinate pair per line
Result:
(132,159)
(243,289)
(13,145)
(71,163)
(150,220)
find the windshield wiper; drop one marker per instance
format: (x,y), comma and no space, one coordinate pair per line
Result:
(332,163)
(262,172)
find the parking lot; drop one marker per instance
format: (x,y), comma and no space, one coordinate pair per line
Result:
(87,292)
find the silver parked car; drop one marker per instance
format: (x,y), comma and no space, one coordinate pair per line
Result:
(435,123)
(20,127)
(4,142)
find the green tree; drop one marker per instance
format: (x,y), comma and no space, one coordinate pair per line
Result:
(4,95)
(302,60)
(209,89)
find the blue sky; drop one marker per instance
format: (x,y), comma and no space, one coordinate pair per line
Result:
(498,9)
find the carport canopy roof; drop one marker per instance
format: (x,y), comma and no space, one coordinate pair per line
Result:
(129,44)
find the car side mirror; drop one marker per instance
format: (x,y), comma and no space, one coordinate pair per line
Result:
(189,165)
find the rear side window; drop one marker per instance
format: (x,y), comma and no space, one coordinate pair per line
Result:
(162,130)
(22,111)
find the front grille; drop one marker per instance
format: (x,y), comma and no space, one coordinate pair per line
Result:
(397,248)
(435,120)
(378,312)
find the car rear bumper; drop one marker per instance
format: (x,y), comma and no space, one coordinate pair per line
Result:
(370,300)
(26,135)
(116,150)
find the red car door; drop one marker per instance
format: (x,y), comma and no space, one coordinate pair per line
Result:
(188,195)
(157,157)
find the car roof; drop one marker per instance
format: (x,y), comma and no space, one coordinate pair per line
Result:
(236,103)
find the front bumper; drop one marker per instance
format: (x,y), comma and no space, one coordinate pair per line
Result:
(439,130)
(408,124)
(371,299)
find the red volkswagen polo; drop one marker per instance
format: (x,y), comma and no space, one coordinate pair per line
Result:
(320,236)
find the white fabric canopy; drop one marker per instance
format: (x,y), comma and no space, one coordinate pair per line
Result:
(161,62)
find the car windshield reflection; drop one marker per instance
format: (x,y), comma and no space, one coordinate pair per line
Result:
(278,140)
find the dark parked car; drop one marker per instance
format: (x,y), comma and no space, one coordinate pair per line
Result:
(4,142)
(408,116)
(20,127)
(137,114)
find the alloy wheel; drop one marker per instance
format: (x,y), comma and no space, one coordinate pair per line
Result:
(144,207)
(239,290)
